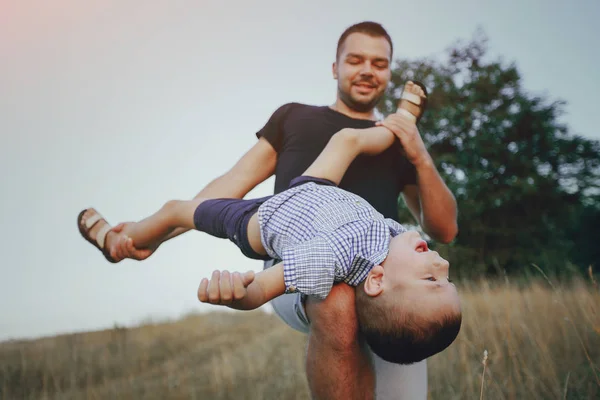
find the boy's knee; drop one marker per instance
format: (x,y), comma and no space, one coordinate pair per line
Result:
(347,137)
(170,206)
(173,211)
(333,320)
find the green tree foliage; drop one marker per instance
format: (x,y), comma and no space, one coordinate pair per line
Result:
(527,189)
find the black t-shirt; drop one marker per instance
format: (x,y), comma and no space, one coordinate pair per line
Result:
(299,133)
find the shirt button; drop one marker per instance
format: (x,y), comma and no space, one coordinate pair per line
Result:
(292,288)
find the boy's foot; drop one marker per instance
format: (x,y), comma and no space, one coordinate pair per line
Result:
(413,101)
(95,229)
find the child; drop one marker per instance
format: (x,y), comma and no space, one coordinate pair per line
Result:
(406,306)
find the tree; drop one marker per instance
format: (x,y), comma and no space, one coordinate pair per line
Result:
(520,179)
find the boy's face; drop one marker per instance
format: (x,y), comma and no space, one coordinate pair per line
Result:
(419,275)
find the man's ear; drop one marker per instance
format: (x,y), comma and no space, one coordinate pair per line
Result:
(374,282)
(334,70)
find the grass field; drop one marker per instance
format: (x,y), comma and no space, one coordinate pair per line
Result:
(543,342)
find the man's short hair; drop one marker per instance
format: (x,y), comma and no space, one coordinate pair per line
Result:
(398,334)
(370,28)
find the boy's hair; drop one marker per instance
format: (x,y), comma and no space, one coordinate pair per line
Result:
(368,28)
(398,334)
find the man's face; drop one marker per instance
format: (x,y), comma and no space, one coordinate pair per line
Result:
(362,71)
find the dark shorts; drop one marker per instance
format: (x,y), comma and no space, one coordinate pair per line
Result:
(229,218)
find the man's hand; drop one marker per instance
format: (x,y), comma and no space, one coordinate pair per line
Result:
(224,288)
(124,248)
(410,138)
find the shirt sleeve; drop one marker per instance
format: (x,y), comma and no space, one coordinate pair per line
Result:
(273,129)
(395,227)
(309,268)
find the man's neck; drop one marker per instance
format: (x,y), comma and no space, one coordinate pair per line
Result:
(342,108)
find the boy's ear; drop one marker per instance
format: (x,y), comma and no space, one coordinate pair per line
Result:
(374,282)
(334,70)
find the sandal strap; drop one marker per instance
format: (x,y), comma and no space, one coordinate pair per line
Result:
(101,235)
(407,114)
(413,98)
(90,222)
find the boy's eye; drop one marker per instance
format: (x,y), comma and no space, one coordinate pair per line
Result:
(431,278)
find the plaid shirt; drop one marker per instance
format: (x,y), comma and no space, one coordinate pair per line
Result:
(324,235)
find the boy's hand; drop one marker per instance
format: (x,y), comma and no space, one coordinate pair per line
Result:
(224,288)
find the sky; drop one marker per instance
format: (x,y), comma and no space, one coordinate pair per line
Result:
(125,104)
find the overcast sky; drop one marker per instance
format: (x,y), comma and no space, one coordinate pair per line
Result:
(125,104)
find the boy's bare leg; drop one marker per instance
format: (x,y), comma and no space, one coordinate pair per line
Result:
(151,230)
(344,147)
(180,214)
(348,143)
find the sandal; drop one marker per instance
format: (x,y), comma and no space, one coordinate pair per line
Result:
(86,228)
(420,102)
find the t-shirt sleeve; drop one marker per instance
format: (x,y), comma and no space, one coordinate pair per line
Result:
(309,268)
(408,172)
(409,177)
(273,129)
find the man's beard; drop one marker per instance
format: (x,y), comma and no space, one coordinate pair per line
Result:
(357,106)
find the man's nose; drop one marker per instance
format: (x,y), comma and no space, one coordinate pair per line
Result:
(366,69)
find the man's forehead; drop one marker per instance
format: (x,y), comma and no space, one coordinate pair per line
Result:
(360,44)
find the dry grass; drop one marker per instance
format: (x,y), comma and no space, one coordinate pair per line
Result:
(542,343)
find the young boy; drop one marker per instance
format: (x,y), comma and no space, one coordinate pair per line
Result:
(406,306)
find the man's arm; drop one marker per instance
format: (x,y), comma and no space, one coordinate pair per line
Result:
(254,167)
(432,204)
(430,201)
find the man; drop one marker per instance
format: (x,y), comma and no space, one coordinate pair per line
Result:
(337,365)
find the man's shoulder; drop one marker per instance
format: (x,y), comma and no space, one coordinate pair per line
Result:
(286,108)
(289,120)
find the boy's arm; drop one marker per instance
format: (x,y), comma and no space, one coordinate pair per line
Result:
(242,292)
